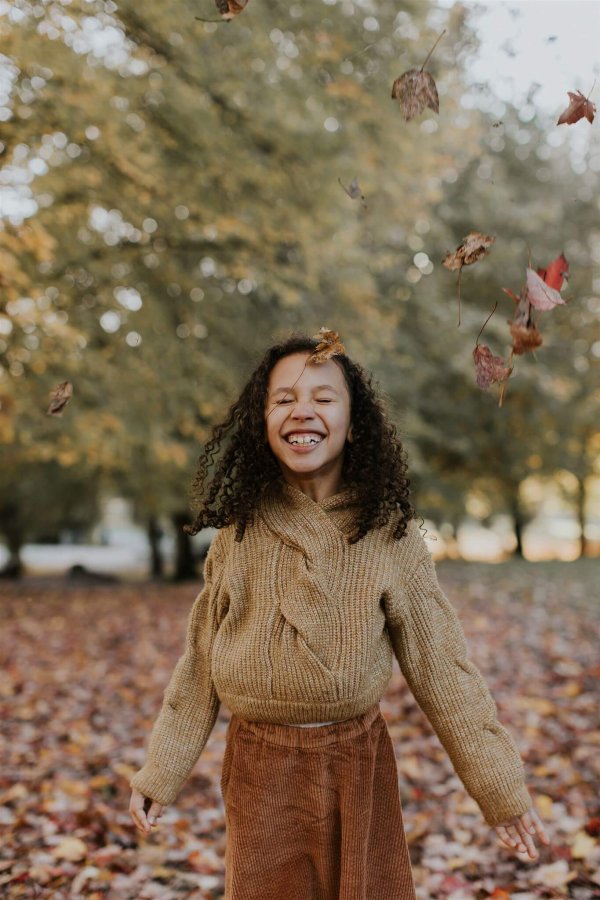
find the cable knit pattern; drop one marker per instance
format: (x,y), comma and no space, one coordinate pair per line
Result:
(295,625)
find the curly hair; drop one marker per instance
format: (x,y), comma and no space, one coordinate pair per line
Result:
(374,462)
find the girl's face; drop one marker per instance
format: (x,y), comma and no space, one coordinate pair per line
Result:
(314,404)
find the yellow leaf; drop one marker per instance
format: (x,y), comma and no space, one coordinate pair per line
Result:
(583,845)
(70,848)
(544,805)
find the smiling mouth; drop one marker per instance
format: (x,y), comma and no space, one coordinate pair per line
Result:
(304,444)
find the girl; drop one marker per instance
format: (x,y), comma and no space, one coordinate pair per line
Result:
(317,576)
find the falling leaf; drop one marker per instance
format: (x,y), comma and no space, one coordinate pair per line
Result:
(540,294)
(524,332)
(489,368)
(415,89)
(59,398)
(229,9)
(473,247)
(353,191)
(525,337)
(556,272)
(329,345)
(579,107)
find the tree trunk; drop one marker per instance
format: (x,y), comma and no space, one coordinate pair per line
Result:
(184,560)
(581,498)
(519,523)
(154,535)
(11,528)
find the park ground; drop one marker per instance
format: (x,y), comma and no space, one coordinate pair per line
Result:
(83,667)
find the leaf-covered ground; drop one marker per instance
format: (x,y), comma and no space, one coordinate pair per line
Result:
(83,669)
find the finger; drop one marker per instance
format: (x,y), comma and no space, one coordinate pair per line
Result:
(505,835)
(526,841)
(539,826)
(519,840)
(154,813)
(136,809)
(516,838)
(531,824)
(139,822)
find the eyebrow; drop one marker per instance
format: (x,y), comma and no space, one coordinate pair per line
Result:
(320,387)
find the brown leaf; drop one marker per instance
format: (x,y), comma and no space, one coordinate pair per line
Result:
(59,398)
(474,246)
(229,9)
(415,90)
(525,337)
(579,107)
(329,345)
(540,294)
(489,368)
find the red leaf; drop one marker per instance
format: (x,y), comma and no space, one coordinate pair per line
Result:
(556,272)
(579,107)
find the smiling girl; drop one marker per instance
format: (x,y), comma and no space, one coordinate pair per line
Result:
(317,577)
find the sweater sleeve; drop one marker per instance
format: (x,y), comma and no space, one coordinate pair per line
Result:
(190,702)
(429,644)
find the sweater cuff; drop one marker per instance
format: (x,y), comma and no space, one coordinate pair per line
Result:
(499,807)
(157,784)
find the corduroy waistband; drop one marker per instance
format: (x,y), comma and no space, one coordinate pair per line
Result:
(313,736)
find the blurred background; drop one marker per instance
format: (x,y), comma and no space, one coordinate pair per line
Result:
(172,200)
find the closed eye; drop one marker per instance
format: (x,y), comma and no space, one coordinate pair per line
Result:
(279,402)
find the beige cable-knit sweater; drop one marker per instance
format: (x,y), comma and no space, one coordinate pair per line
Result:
(296,625)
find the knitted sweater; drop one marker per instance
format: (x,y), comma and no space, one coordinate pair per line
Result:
(296,625)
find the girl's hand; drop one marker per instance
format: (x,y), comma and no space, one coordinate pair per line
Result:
(518,832)
(144,812)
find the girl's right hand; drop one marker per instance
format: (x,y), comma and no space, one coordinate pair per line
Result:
(144,812)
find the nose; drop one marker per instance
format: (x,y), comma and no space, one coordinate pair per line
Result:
(302,410)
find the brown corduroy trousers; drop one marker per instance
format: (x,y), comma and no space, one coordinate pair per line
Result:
(314,813)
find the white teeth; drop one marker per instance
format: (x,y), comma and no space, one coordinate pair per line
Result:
(304,439)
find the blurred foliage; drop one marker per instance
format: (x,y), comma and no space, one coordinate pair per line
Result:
(188,211)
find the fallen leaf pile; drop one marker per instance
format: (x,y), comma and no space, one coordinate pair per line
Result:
(82,676)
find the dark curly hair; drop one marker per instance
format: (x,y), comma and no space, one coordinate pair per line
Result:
(374,462)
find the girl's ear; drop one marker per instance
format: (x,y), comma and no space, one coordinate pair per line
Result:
(350,437)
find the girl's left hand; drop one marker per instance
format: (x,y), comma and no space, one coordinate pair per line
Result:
(518,833)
